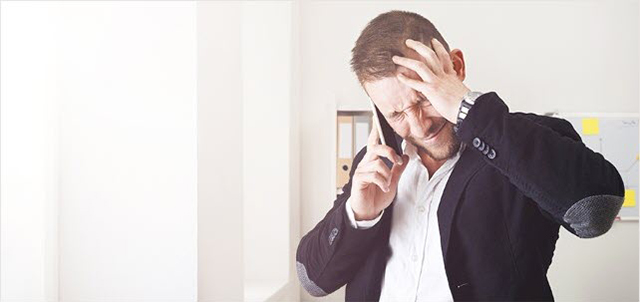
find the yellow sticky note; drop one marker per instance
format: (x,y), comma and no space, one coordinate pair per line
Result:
(629,198)
(590,126)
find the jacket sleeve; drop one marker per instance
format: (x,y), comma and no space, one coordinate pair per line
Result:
(331,253)
(545,158)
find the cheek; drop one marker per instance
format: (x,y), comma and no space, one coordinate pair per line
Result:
(401,128)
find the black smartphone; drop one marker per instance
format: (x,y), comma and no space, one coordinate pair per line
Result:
(385,132)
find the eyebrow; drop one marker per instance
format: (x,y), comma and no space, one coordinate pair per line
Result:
(420,98)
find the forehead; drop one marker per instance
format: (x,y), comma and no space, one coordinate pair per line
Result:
(389,94)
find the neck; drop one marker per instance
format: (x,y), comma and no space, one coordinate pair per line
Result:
(431,164)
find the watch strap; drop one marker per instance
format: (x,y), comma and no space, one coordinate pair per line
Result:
(468,101)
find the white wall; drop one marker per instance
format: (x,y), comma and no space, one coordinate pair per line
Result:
(28,159)
(562,56)
(266,69)
(99,124)
(127,151)
(220,152)
(149,151)
(248,151)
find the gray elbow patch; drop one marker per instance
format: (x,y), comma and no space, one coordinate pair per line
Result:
(308,285)
(593,216)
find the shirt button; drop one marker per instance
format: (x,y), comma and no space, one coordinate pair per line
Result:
(421,209)
(414,258)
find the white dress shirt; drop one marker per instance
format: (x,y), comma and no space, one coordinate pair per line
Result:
(415,271)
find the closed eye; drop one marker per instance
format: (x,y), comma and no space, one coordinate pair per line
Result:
(424,102)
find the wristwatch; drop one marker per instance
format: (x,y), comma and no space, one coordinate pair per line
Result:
(468,101)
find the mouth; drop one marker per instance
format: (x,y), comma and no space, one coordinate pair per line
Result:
(434,134)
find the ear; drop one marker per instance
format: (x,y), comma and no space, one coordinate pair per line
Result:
(458,63)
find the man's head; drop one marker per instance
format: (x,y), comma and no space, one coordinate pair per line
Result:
(408,112)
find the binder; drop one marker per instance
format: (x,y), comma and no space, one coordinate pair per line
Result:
(345,149)
(353,132)
(362,129)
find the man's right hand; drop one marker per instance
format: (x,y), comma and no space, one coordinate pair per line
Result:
(374,184)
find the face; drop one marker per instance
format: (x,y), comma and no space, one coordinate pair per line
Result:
(411,114)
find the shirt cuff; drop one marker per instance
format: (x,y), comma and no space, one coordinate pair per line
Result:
(360,224)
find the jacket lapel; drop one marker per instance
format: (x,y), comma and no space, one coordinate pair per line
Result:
(469,163)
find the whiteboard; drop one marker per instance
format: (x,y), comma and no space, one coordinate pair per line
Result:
(615,136)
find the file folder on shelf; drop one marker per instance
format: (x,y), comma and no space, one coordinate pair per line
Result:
(353,130)
(345,149)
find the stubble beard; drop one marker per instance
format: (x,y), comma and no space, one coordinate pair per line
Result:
(443,150)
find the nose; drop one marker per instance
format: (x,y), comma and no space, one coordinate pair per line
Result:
(417,125)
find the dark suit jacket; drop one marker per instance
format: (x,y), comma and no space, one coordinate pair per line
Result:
(521,177)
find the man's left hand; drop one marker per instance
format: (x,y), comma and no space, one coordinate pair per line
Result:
(440,83)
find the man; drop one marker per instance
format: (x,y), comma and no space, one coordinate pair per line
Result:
(472,209)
